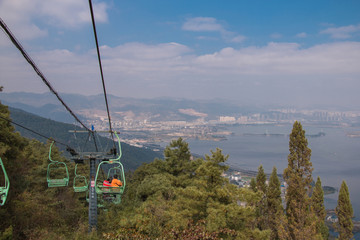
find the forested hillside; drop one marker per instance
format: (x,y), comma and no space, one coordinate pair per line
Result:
(177,197)
(132,157)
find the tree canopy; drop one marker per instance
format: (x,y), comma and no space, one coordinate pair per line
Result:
(344,212)
(177,197)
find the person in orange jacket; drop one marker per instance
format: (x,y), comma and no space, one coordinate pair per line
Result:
(116,182)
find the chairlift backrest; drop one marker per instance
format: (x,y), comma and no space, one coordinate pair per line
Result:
(80,183)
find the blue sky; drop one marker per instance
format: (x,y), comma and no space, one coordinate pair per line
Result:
(300,53)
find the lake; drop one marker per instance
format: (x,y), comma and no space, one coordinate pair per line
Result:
(335,156)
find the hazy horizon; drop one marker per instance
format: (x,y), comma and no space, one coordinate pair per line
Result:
(253,53)
(261,107)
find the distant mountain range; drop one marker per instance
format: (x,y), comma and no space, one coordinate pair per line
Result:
(85,107)
(132,157)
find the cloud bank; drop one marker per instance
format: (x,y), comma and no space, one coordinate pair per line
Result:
(277,71)
(22,15)
(209,24)
(172,69)
(344,32)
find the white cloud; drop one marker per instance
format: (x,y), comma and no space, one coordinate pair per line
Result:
(23,15)
(344,32)
(301,35)
(209,24)
(146,52)
(274,58)
(202,24)
(70,14)
(238,39)
(280,59)
(276,36)
(141,70)
(206,38)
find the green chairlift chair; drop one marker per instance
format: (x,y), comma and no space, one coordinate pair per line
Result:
(56,169)
(80,183)
(4,189)
(111,193)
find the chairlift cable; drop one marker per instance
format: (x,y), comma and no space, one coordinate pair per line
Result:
(30,130)
(37,70)
(101,70)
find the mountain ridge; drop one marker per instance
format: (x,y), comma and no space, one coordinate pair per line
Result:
(132,157)
(157,109)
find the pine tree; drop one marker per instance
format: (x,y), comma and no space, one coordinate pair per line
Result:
(274,204)
(213,168)
(179,163)
(177,157)
(261,180)
(344,212)
(261,205)
(253,184)
(298,177)
(318,207)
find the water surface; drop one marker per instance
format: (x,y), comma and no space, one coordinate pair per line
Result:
(335,156)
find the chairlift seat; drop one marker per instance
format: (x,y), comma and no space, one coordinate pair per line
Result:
(100,189)
(80,189)
(58,182)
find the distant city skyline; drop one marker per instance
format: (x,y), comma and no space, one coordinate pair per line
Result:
(300,53)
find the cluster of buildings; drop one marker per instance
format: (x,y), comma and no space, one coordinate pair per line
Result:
(138,129)
(242,179)
(289,115)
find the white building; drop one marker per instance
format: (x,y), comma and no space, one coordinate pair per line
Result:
(227,119)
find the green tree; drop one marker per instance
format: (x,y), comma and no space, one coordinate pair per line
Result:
(298,178)
(261,205)
(318,207)
(253,184)
(34,211)
(344,212)
(177,157)
(212,169)
(274,204)
(167,204)
(261,180)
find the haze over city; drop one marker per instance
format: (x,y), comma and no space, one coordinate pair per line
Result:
(301,53)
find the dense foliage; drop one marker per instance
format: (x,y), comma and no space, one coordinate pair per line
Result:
(345,212)
(171,198)
(182,197)
(33,211)
(317,204)
(132,157)
(301,220)
(274,208)
(178,197)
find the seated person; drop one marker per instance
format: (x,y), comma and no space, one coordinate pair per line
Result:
(107,183)
(116,182)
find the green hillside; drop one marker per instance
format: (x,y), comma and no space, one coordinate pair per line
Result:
(132,156)
(177,197)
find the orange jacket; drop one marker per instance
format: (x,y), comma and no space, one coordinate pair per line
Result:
(116,183)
